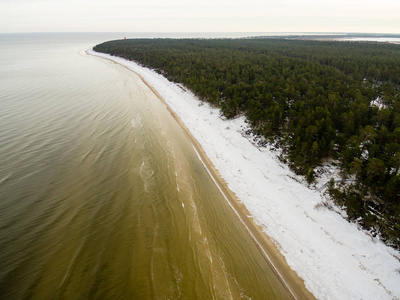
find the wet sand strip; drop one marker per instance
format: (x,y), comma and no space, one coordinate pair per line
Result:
(289,279)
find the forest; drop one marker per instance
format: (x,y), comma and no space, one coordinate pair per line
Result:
(318,101)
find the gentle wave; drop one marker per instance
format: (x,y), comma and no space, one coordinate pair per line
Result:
(101,193)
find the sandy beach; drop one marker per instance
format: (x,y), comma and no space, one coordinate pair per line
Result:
(292,282)
(287,276)
(298,238)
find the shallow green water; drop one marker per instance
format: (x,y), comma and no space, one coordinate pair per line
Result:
(101,192)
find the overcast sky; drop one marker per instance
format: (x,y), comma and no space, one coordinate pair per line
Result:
(378,16)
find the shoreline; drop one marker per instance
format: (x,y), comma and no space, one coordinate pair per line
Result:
(333,257)
(289,279)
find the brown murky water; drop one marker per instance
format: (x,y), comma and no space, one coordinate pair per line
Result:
(102,194)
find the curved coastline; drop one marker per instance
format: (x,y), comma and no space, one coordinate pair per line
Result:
(289,279)
(334,258)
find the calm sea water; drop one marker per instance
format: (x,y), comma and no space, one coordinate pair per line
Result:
(101,192)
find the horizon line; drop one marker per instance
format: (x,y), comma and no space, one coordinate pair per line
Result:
(214,32)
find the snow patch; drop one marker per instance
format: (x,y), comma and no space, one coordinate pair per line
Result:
(378,102)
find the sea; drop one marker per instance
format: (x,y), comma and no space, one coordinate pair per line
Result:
(102,195)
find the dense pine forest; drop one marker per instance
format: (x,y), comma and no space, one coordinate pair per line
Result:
(317,101)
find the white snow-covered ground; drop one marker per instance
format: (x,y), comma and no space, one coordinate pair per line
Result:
(370,39)
(335,259)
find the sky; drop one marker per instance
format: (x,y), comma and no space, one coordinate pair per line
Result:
(375,16)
